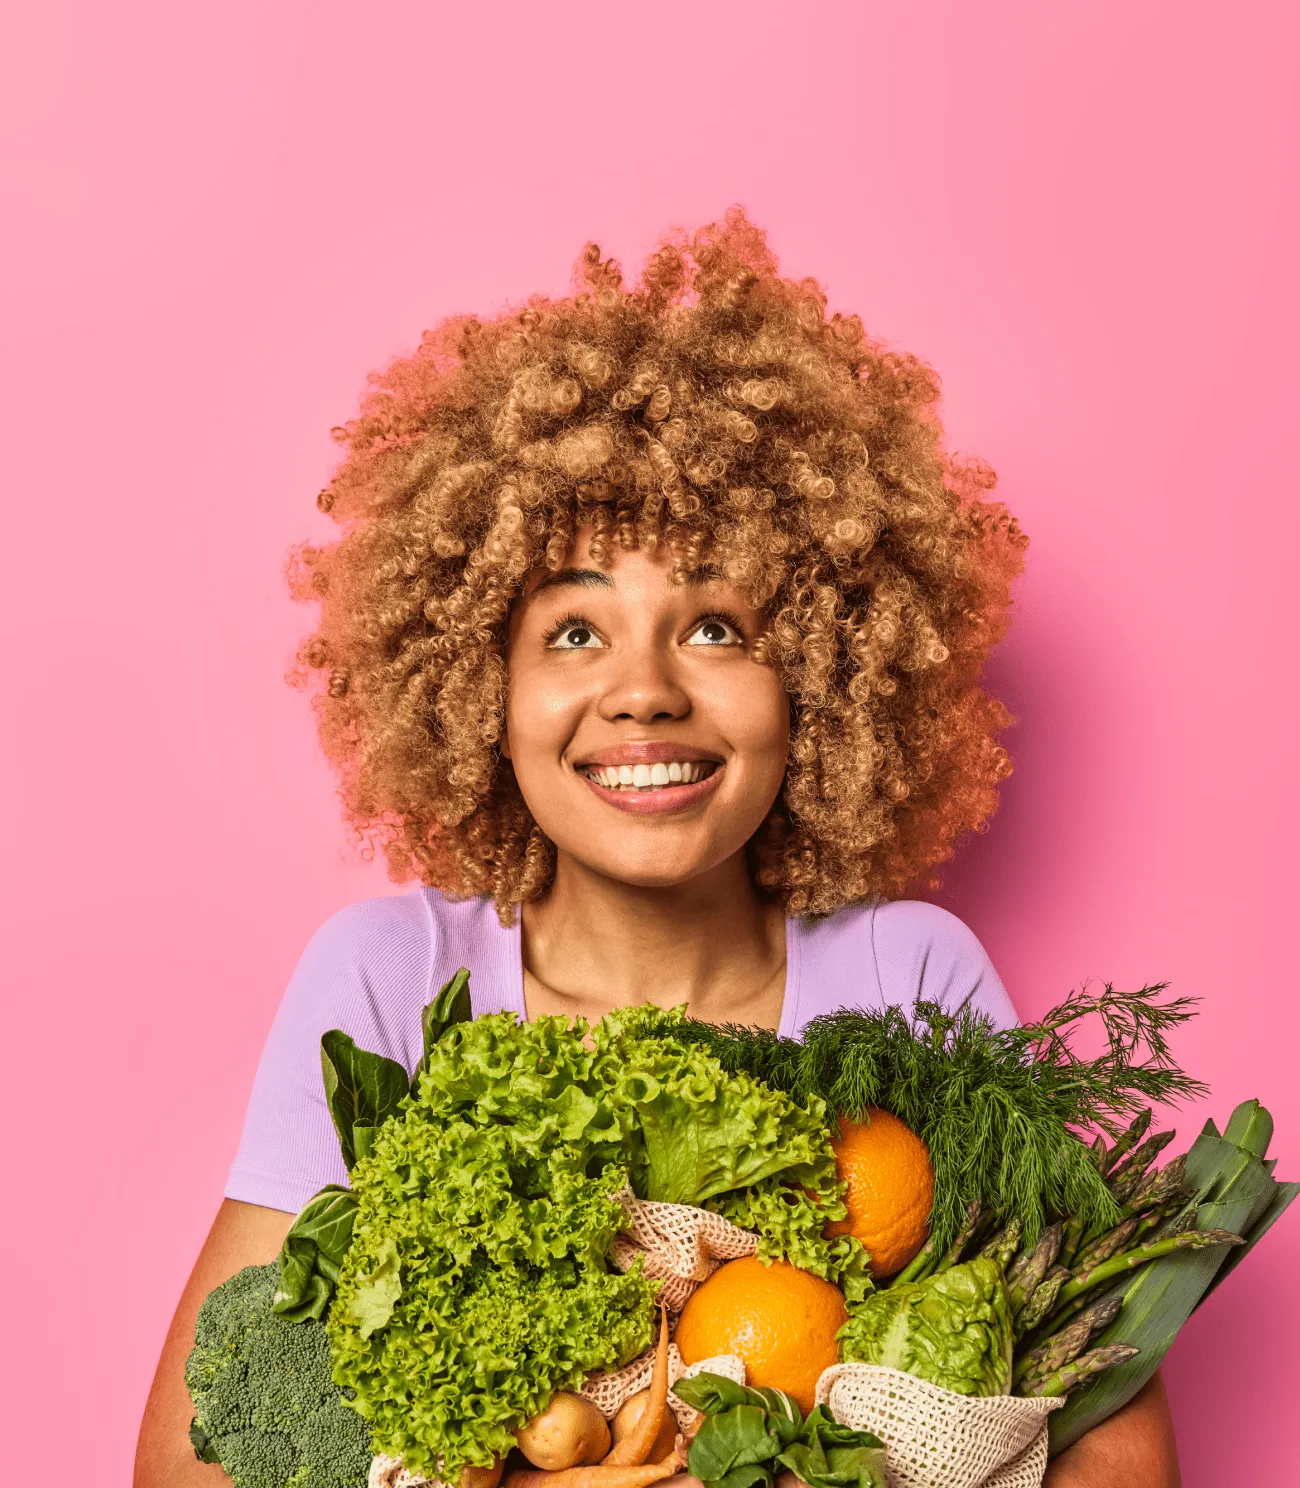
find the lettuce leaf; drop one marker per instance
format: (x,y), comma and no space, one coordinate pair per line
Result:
(953,1329)
(477,1281)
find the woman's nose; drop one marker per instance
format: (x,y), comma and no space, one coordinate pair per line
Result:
(643,689)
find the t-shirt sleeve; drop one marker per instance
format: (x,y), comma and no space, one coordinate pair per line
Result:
(365,971)
(922,951)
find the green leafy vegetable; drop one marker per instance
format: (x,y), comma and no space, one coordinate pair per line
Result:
(312,1254)
(748,1433)
(829,1455)
(265,1406)
(953,1329)
(477,1284)
(363,1091)
(449,1007)
(488,1205)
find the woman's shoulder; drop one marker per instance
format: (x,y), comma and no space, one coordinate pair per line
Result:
(396,950)
(894,953)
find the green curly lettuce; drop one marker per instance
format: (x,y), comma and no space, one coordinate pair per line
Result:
(953,1329)
(477,1282)
(729,1143)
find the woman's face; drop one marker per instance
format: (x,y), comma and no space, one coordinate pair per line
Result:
(647,742)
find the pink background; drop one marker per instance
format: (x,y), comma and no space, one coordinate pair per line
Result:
(220,217)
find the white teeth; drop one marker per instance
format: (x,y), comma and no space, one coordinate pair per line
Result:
(648,777)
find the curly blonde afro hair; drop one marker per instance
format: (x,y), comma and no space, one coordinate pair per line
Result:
(715,412)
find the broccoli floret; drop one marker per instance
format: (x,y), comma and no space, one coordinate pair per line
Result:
(265,1406)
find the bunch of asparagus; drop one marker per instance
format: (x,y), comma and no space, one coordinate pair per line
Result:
(1108,1300)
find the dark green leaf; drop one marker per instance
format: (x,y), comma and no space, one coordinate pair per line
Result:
(712,1393)
(738,1437)
(313,1253)
(449,1007)
(745,1477)
(204,1447)
(362,1089)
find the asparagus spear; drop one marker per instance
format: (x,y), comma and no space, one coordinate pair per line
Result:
(1070,1342)
(1129,1260)
(919,1267)
(1005,1243)
(1084,1367)
(1043,1300)
(1161,1185)
(1025,1275)
(952,1256)
(1126,1142)
(1125,1179)
(1070,1238)
(1106,1245)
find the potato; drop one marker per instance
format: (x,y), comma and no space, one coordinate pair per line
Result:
(630,1412)
(483,1477)
(570,1432)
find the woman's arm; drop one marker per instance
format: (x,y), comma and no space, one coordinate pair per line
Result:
(1133,1449)
(242,1235)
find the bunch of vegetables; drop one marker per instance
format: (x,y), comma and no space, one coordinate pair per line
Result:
(465,1271)
(1043,1315)
(447,1304)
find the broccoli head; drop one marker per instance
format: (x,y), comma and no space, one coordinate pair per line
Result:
(265,1406)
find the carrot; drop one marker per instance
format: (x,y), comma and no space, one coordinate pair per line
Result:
(635,1446)
(600,1476)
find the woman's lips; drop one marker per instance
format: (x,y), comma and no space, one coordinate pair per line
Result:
(657,802)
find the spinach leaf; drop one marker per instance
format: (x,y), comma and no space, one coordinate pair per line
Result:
(362,1089)
(313,1253)
(828,1455)
(735,1438)
(748,1433)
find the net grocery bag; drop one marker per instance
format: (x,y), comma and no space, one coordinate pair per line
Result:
(936,1438)
(679,1244)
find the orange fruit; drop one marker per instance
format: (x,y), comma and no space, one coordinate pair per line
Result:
(890,1189)
(780,1320)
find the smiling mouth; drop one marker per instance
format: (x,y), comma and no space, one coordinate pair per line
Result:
(649,779)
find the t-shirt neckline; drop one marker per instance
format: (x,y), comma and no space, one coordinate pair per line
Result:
(786,1027)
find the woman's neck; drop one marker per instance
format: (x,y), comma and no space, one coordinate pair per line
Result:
(592,944)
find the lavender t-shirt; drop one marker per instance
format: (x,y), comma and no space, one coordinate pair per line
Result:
(371,969)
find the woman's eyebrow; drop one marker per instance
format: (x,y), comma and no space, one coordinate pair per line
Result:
(578,578)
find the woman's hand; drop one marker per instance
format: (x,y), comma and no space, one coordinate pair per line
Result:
(242,1235)
(1133,1449)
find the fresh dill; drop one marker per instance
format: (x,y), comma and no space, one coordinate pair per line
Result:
(1003,1112)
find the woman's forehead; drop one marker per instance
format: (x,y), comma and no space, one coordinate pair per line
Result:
(625,567)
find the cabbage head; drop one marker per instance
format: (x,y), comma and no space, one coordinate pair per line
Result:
(953,1329)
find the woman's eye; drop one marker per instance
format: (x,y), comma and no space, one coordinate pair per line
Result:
(575,638)
(715,633)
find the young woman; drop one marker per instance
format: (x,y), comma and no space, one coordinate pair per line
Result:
(651,648)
